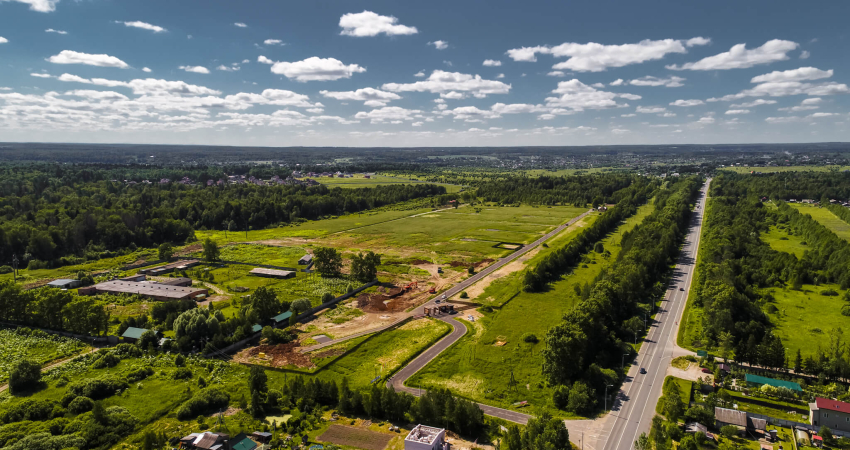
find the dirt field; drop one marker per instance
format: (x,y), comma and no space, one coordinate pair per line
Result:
(514,266)
(275,356)
(355,437)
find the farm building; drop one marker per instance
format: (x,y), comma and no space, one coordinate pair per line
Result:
(180,281)
(282,317)
(205,441)
(64,283)
(422,437)
(133,334)
(759,381)
(830,413)
(156,291)
(272,273)
(740,419)
(305,260)
(136,278)
(170,267)
(242,442)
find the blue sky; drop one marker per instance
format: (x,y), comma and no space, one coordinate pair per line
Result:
(381,73)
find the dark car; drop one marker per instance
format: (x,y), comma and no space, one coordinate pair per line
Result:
(682,289)
(642,371)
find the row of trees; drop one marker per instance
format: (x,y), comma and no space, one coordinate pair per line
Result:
(53,309)
(587,346)
(577,190)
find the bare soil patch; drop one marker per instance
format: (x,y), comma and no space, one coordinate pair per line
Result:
(355,437)
(514,266)
(275,356)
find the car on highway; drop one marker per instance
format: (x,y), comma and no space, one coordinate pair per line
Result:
(642,371)
(437,301)
(681,289)
(704,370)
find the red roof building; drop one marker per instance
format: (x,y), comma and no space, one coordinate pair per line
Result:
(830,413)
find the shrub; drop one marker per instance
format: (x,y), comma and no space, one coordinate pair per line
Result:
(464,295)
(125,351)
(277,336)
(5,269)
(829,292)
(139,374)
(25,374)
(206,400)
(29,409)
(108,359)
(97,388)
(530,338)
(80,405)
(182,373)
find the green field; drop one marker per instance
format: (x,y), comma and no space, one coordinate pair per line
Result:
(806,316)
(36,346)
(479,369)
(261,254)
(359,181)
(774,169)
(28,276)
(826,218)
(685,388)
(781,241)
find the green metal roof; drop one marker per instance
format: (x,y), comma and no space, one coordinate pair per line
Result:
(241,442)
(756,379)
(256,328)
(282,316)
(134,333)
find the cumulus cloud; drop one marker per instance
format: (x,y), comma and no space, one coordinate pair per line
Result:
(739,57)
(262,59)
(149,86)
(786,88)
(367,24)
(41,75)
(808,101)
(387,114)
(757,102)
(143,25)
(806,105)
(372,97)
(38,5)
(686,103)
(801,74)
(440,82)
(419,74)
(650,109)
(617,82)
(577,96)
(100,60)
(737,111)
(556,73)
(805,54)
(697,41)
(51,30)
(145,69)
(224,68)
(500,76)
(655,81)
(439,45)
(594,57)
(491,63)
(241,24)
(195,69)
(3,40)
(273,42)
(316,69)
(628,115)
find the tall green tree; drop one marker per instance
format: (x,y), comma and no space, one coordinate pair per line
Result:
(210,250)
(327,261)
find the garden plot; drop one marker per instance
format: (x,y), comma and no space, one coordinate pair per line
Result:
(36,346)
(356,437)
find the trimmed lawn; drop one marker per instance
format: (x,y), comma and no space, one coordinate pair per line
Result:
(480,369)
(826,218)
(685,388)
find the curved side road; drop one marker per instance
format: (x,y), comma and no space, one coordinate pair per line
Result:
(419,310)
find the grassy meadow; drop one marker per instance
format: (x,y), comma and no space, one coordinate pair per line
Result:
(826,218)
(38,347)
(781,241)
(359,181)
(479,369)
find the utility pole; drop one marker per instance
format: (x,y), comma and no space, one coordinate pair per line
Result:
(606,396)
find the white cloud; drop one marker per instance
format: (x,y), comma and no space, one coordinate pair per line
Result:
(388,113)
(51,30)
(3,40)
(809,101)
(148,86)
(442,82)
(617,82)
(578,96)
(372,97)
(630,96)
(262,59)
(145,69)
(500,76)
(806,105)
(273,42)
(628,115)
(224,68)
(38,5)
(620,131)
(419,74)
(491,63)
(801,74)
(805,54)
(41,75)
(594,57)
(439,45)
(556,73)
(697,41)
(195,69)
(655,81)
(100,60)
(370,24)
(738,57)
(598,85)
(240,25)
(452,95)
(316,69)
(667,114)
(737,111)
(143,25)
(785,88)
(751,104)
(686,103)
(650,109)
(822,114)
(706,120)
(73,78)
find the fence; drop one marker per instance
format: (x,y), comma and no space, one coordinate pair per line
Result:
(791,424)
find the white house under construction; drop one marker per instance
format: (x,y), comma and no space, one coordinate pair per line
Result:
(422,437)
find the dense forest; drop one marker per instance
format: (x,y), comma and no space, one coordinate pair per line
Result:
(574,190)
(76,214)
(583,353)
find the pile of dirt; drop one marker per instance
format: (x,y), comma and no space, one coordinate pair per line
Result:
(189,249)
(329,353)
(417,262)
(278,355)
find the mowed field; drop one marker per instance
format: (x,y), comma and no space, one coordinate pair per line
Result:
(480,369)
(826,218)
(359,181)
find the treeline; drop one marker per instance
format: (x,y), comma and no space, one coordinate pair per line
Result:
(573,190)
(841,212)
(583,353)
(47,218)
(819,186)
(52,309)
(558,261)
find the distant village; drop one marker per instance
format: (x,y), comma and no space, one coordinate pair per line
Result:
(297,178)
